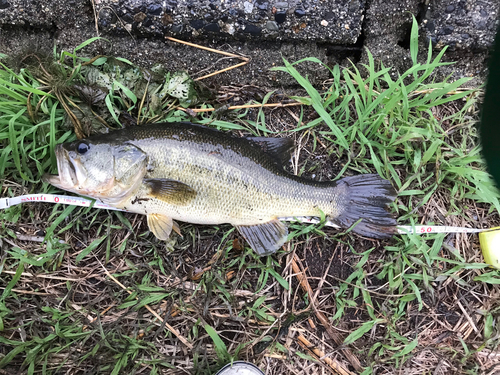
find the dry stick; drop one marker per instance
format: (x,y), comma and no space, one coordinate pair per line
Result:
(20,291)
(207,48)
(335,366)
(222,71)
(95,18)
(321,317)
(42,276)
(142,103)
(91,61)
(245,59)
(169,327)
(102,313)
(277,105)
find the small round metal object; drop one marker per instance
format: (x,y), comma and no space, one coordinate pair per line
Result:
(240,368)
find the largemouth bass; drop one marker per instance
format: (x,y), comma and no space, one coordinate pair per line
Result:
(191,173)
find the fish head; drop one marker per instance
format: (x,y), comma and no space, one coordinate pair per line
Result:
(105,171)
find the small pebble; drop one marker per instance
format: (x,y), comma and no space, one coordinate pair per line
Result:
(196,24)
(139,17)
(299,12)
(127,18)
(229,28)
(430,26)
(252,29)
(272,26)
(450,8)
(263,6)
(214,27)
(167,19)
(248,7)
(329,16)
(447,30)
(138,8)
(324,23)
(433,40)
(155,9)
(280,16)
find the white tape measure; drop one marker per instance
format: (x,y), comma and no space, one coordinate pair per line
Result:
(53,198)
(489,238)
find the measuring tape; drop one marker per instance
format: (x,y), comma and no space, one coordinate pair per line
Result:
(489,239)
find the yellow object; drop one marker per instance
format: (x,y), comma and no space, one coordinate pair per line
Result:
(489,241)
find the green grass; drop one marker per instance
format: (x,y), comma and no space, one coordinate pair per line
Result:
(60,311)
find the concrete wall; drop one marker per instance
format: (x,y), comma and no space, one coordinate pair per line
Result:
(264,30)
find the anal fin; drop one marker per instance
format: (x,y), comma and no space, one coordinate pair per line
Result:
(266,238)
(162,226)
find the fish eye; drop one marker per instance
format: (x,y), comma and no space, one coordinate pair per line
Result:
(82,148)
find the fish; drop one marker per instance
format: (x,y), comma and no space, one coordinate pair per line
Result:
(187,172)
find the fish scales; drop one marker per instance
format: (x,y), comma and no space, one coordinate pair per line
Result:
(187,172)
(236,183)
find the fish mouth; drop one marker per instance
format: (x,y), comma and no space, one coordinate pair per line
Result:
(70,174)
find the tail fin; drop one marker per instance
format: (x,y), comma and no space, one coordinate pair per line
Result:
(367,198)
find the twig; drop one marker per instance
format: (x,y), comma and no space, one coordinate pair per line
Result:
(232,55)
(222,71)
(25,237)
(277,105)
(27,274)
(95,18)
(102,313)
(91,61)
(333,364)
(207,48)
(276,356)
(142,103)
(467,316)
(300,274)
(29,292)
(457,91)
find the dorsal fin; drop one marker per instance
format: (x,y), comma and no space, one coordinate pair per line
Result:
(279,148)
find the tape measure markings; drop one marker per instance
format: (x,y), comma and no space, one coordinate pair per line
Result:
(85,202)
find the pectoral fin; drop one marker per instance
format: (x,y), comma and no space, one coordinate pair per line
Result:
(266,238)
(162,226)
(170,191)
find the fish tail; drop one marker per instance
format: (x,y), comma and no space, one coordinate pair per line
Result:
(366,197)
